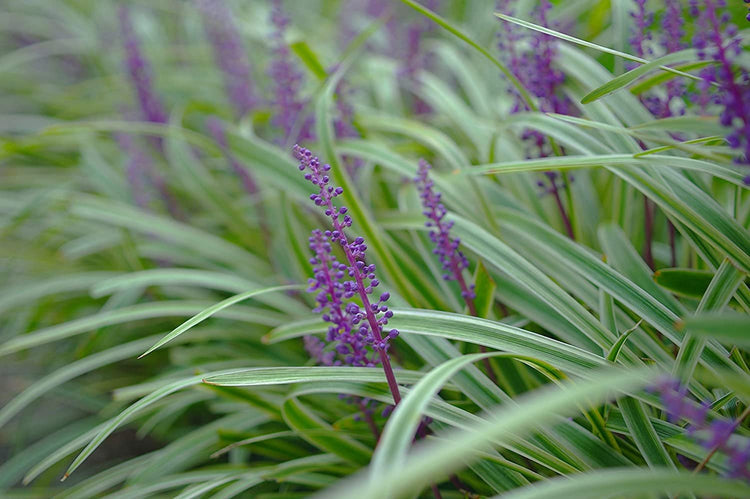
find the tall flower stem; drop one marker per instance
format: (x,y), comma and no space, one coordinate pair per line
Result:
(648,229)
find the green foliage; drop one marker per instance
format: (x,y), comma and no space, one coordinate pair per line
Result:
(150,352)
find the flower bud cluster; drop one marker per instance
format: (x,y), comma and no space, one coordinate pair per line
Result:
(344,289)
(446,247)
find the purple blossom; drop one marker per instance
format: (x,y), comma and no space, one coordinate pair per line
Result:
(355,327)
(139,70)
(217,130)
(316,349)
(446,247)
(642,21)
(534,67)
(711,435)
(230,53)
(288,106)
(723,47)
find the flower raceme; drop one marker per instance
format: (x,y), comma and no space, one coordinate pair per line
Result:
(446,247)
(355,327)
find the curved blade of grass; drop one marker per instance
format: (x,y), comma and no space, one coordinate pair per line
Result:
(402,424)
(720,291)
(584,43)
(129,314)
(210,311)
(615,350)
(496,335)
(644,435)
(691,283)
(311,428)
(70,371)
(632,483)
(432,460)
(624,79)
(110,426)
(29,292)
(214,247)
(563,163)
(286,375)
(528,100)
(172,277)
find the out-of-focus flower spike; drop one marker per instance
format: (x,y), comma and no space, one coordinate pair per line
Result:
(230,53)
(723,46)
(288,106)
(139,70)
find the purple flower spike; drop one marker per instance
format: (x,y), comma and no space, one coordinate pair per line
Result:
(446,247)
(357,327)
(287,104)
(642,21)
(139,70)
(734,95)
(230,53)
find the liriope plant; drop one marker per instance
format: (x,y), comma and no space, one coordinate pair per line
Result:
(566,285)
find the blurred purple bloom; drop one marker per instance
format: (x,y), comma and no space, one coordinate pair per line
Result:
(230,53)
(446,247)
(315,348)
(217,130)
(723,47)
(354,327)
(139,70)
(287,103)
(642,21)
(534,68)
(711,435)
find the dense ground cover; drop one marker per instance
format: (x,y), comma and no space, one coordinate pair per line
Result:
(362,248)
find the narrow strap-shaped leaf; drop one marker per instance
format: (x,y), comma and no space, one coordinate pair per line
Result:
(643,433)
(433,460)
(402,424)
(627,482)
(528,100)
(721,289)
(311,428)
(623,80)
(584,43)
(205,314)
(110,426)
